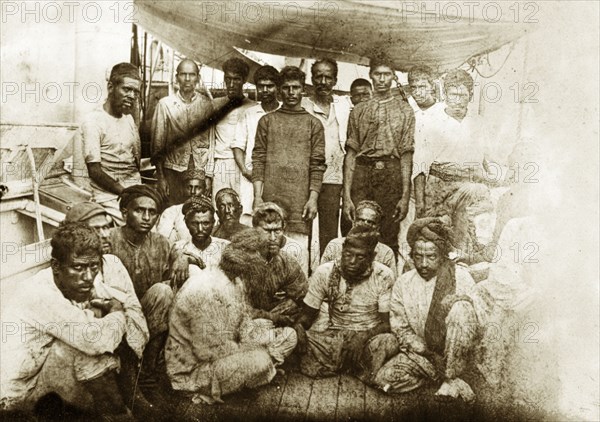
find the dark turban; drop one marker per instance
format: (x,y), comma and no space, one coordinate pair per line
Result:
(197,204)
(124,70)
(432,229)
(362,237)
(137,191)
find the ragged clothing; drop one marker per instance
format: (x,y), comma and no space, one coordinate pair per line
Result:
(39,320)
(214,347)
(410,317)
(211,255)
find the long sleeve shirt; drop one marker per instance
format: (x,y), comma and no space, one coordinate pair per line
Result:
(36,317)
(289,158)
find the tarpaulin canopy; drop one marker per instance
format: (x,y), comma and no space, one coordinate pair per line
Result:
(409,33)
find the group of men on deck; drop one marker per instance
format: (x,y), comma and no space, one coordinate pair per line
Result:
(215,305)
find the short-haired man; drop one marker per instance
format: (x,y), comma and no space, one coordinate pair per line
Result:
(113,281)
(64,336)
(332,111)
(173,118)
(226,172)
(271,218)
(203,250)
(153,264)
(215,347)
(108,157)
(171,223)
(229,211)
(432,318)
(266,79)
(358,291)
(361,90)
(379,150)
(288,159)
(368,214)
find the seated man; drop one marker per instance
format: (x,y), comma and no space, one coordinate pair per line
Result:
(107,157)
(229,211)
(203,251)
(359,290)
(59,338)
(214,346)
(368,214)
(278,293)
(171,224)
(155,267)
(270,217)
(113,281)
(432,320)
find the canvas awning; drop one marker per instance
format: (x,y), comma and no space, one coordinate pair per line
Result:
(348,31)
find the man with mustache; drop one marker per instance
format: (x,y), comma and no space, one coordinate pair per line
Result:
(433,322)
(332,111)
(174,117)
(203,250)
(66,335)
(288,159)
(379,153)
(358,291)
(109,151)
(229,211)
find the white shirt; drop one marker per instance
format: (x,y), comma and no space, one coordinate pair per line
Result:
(336,128)
(225,131)
(211,256)
(171,224)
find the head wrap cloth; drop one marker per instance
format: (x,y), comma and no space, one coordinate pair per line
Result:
(138,191)
(432,229)
(197,204)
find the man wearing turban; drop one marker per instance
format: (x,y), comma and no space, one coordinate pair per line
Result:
(203,250)
(432,319)
(154,265)
(107,158)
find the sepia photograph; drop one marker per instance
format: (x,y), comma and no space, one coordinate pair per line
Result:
(307,210)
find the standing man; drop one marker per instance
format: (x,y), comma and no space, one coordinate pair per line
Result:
(226,172)
(289,158)
(266,79)
(379,153)
(109,152)
(173,118)
(332,111)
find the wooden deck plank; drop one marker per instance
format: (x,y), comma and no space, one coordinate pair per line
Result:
(351,399)
(323,400)
(264,408)
(296,395)
(378,405)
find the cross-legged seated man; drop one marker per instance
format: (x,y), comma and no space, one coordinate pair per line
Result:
(432,319)
(358,290)
(214,346)
(59,337)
